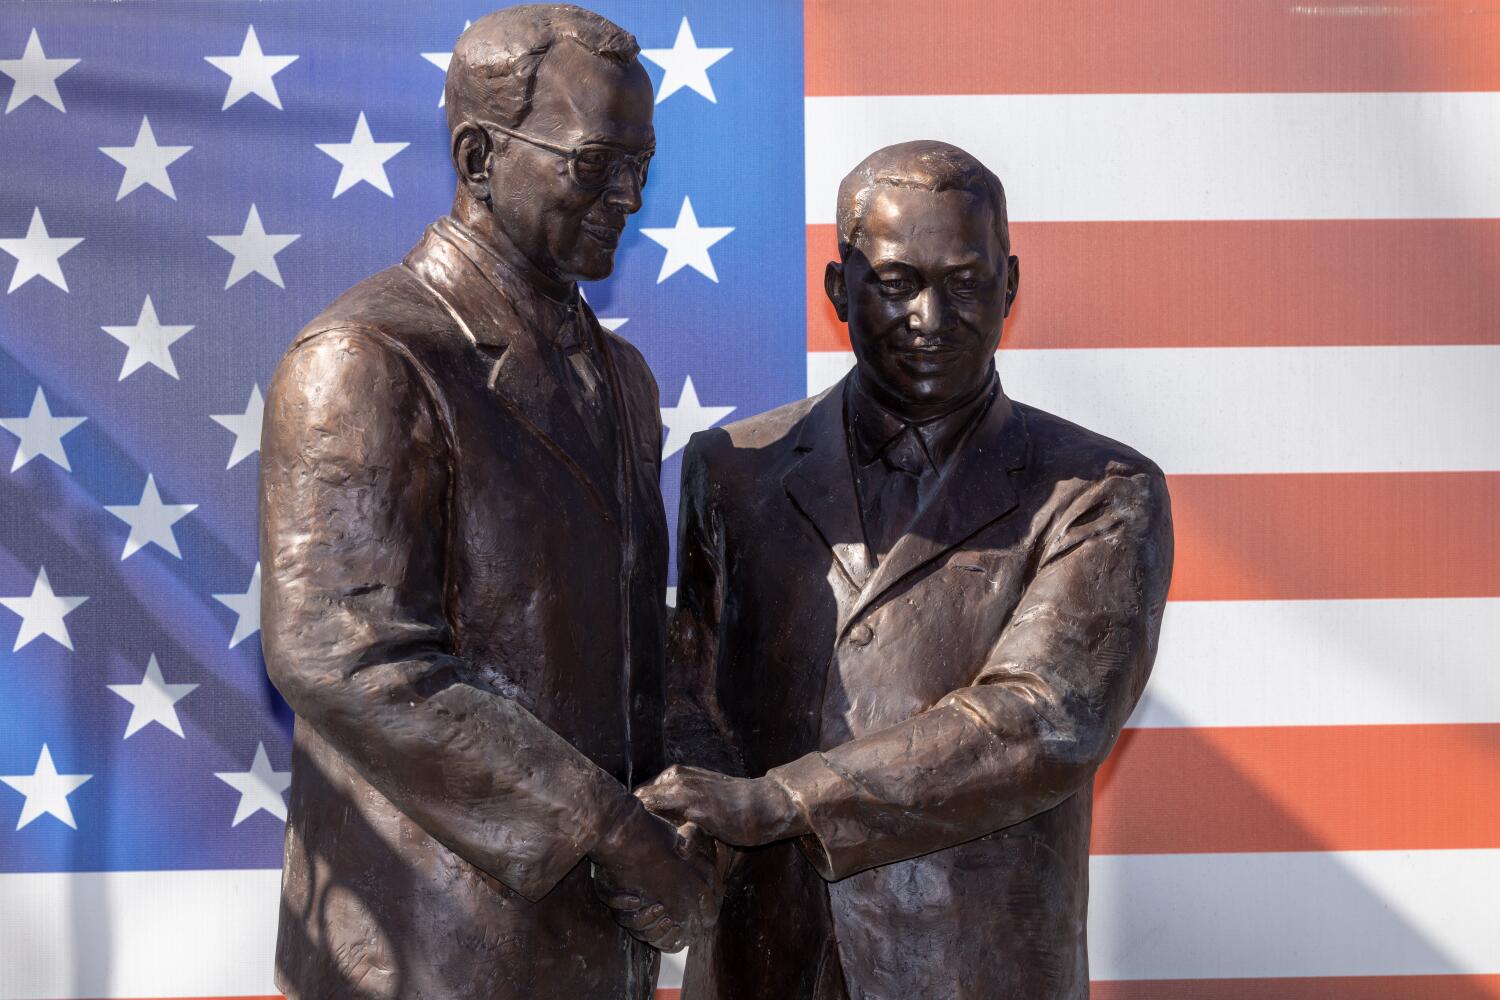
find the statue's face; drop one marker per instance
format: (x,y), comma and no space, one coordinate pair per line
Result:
(567,230)
(925,293)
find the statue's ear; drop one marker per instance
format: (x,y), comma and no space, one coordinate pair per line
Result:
(471,159)
(838,292)
(1012,281)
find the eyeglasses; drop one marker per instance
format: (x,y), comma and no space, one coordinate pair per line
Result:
(592,165)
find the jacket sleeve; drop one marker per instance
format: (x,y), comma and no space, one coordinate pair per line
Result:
(696,731)
(1042,713)
(354,484)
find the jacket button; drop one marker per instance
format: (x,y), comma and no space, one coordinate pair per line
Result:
(861,634)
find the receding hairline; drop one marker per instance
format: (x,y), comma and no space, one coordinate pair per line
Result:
(923,165)
(496,59)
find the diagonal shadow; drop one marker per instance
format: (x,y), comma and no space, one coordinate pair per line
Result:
(1216,776)
(45,523)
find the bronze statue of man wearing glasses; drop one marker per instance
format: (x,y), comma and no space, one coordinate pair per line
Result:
(465,555)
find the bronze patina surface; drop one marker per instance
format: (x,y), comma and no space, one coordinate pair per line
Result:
(913,616)
(464,556)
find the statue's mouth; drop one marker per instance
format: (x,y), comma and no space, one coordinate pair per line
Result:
(606,235)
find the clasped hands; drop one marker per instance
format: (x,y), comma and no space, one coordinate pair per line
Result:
(662,871)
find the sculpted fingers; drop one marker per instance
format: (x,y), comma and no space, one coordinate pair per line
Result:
(654,926)
(660,882)
(645,920)
(674,941)
(667,796)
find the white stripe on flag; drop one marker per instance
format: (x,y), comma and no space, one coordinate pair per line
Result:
(1265,409)
(212,933)
(1324,663)
(1359,913)
(138,934)
(672,968)
(1189,156)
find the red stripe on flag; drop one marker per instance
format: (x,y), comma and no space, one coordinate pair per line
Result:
(1148,46)
(1336,536)
(1312,988)
(1330,988)
(1299,788)
(1233,284)
(1321,988)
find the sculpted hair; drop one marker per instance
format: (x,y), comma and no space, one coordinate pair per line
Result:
(925,164)
(493,71)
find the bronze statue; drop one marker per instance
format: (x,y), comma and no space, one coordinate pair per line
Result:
(465,556)
(913,615)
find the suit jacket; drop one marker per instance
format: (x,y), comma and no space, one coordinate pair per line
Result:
(937,718)
(462,602)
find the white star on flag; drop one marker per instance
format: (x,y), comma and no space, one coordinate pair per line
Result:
(687,418)
(41,433)
(148,342)
(250,72)
(255,250)
(35,75)
(46,791)
(362,159)
(687,244)
(244,426)
(685,65)
(259,788)
(151,521)
(42,612)
(145,162)
(441,61)
(38,254)
(247,607)
(152,700)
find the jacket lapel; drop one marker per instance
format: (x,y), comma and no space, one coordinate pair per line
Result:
(975,489)
(821,484)
(627,470)
(522,371)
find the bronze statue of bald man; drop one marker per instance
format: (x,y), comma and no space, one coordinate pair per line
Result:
(913,615)
(465,558)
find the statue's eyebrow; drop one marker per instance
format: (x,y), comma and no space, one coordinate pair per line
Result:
(597,139)
(891,262)
(970,260)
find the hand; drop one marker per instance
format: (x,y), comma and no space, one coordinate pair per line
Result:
(745,812)
(663,884)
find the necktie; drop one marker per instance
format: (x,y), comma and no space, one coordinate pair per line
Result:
(588,385)
(896,497)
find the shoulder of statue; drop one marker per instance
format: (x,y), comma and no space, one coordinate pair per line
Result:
(1063,450)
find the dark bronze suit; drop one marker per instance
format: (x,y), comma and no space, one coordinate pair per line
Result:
(937,718)
(463,604)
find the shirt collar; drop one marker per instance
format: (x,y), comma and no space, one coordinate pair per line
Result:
(874,429)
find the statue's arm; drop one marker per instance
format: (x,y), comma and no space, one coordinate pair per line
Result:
(354,477)
(1041,716)
(696,732)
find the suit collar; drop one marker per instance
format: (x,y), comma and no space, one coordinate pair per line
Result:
(514,328)
(821,484)
(873,428)
(515,276)
(521,305)
(975,490)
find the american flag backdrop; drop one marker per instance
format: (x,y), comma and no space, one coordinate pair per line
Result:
(1260,242)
